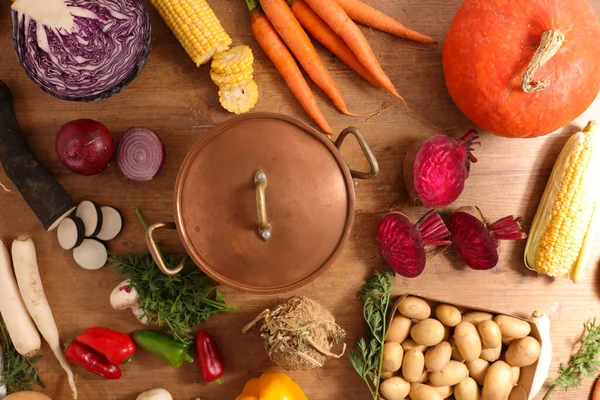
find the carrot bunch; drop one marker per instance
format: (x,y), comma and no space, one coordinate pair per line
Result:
(279,28)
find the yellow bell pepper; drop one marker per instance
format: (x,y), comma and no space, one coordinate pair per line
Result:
(272,386)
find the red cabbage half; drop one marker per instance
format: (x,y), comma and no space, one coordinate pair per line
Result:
(81,50)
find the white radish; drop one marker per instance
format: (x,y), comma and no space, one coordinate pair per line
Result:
(155,394)
(70,232)
(124,296)
(20,327)
(32,292)
(112,223)
(91,215)
(3,391)
(91,255)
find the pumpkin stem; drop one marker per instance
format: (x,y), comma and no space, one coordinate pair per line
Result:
(549,45)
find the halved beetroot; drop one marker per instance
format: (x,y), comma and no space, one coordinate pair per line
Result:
(403,244)
(475,241)
(435,170)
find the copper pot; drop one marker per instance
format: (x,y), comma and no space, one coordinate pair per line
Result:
(264,203)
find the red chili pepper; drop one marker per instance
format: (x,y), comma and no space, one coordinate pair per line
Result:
(117,347)
(210,362)
(92,361)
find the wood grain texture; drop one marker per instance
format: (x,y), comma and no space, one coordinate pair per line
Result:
(180,103)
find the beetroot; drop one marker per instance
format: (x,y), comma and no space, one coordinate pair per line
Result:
(403,245)
(435,170)
(475,241)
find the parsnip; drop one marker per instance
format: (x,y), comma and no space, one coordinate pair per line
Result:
(32,292)
(20,327)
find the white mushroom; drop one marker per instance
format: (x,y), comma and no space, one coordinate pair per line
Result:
(155,394)
(124,297)
(140,315)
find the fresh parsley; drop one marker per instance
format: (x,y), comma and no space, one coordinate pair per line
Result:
(178,303)
(582,365)
(367,358)
(20,373)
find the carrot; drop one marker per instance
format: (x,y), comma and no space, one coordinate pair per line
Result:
(335,16)
(367,15)
(275,49)
(288,27)
(328,38)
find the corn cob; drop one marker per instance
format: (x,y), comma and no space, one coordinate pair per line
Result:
(560,239)
(232,71)
(233,61)
(239,98)
(196,27)
(231,79)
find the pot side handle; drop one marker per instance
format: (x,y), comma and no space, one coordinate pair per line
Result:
(156,253)
(366,150)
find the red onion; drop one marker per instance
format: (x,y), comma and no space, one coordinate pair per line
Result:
(84,146)
(141,154)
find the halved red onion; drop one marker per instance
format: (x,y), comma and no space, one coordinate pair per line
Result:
(141,154)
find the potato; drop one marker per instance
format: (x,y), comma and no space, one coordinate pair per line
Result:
(490,334)
(438,356)
(477,369)
(467,340)
(467,389)
(507,341)
(497,384)
(387,375)
(410,344)
(475,317)
(517,393)
(424,378)
(523,352)
(392,357)
(428,332)
(516,374)
(415,308)
(453,373)
(447,333)
(448,315)
(512,327)
(394,388)
(419,391)
(455,353)
(491,355)
(413,365)
(25,395)
(445,391)
(399,329)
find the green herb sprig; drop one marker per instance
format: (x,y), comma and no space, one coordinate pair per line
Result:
(367,358)
(178,303)
(582,365)
(20,373)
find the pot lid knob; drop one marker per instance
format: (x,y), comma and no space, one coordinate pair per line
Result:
(264,226)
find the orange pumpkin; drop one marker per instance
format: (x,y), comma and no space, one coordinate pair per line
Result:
(523,68)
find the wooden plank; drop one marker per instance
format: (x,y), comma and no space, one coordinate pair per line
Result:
(180,102)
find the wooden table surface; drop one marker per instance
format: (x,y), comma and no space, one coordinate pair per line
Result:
(180,103)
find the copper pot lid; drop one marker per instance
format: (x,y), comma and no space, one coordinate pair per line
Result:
(264,203)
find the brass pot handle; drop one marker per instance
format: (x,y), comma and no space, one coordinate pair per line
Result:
(366,150)
(264,227)
(155,251)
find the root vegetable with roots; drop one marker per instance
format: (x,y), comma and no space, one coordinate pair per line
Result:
(299,334)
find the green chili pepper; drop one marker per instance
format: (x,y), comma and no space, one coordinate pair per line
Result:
(163,346)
